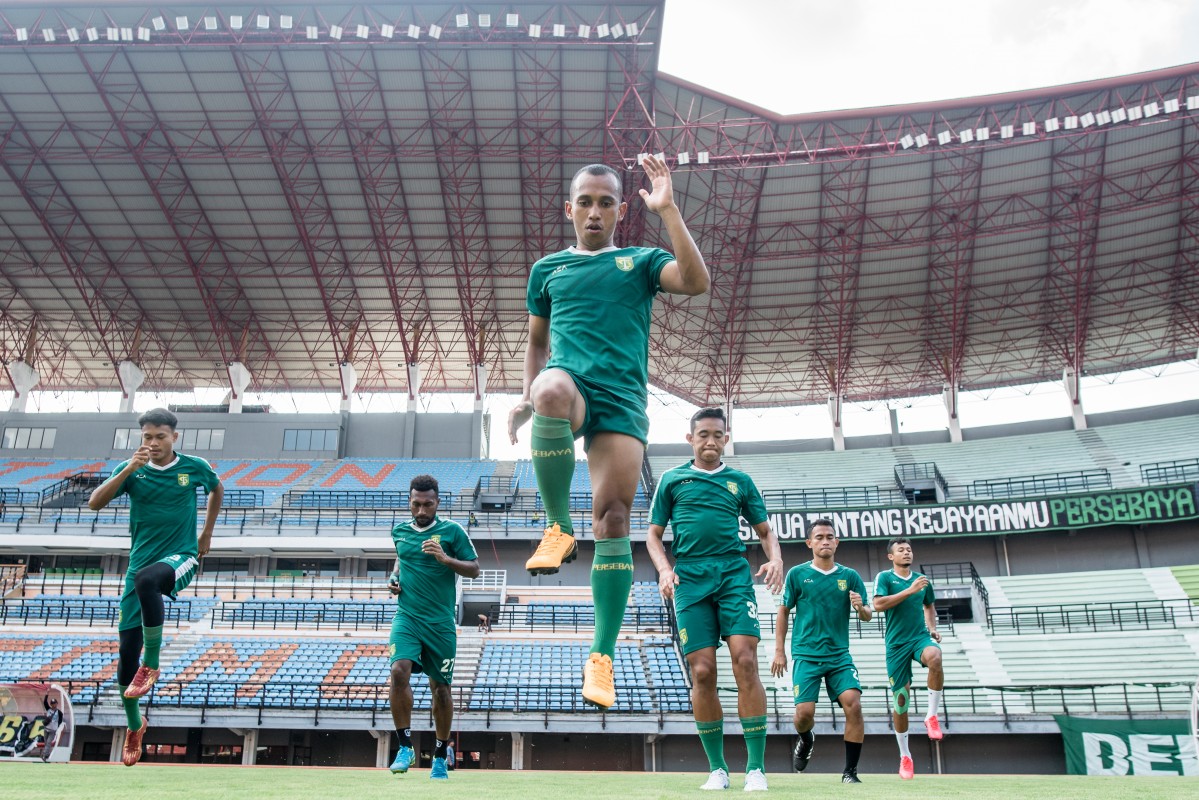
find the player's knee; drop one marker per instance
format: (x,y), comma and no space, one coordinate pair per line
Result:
(553,395)
(703,674)
(441,693)
(147,579)
(400,673)
(804,719)
(851,704)
(933,660)
(745,666)
(613,517)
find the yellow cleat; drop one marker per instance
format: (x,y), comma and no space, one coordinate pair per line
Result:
(599,687)
(556,548)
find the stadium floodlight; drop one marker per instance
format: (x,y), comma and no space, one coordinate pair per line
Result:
(387,31)
(1119,115)
(1104,117)
(534,31)
(559,30)
(159,23)
(311,32)
(264,22)
(584,31)
(660,156)
(1007,131)
(601,30)
(413,31)
(484,20)
(48,34)
(1052,124)
(1193,103)
(512,20)
(1087,120)
(1071,122)
(72,34)
(92,34)
(236,21)
(112,34)
(143,33)
(127,34)
(684,158)
(982,134)
(1152,109)
(641,158)
(966,135)
(702,157)
(922,140)
(181,24)
(617,31)
(434,31)
(286,21)
(632,29)
(906,141)
(335,32)
(944,137)
(462,20)
(363,32)
(210,23)
(1029,129)
(1134,113)
(1171,106)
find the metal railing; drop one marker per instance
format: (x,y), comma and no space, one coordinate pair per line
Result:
(957,572)
(1178,471)
(1085,480)
(71,611)
(834,497)
(921,471)
(220,585)
(296,614)
(1076,617)
(560,618)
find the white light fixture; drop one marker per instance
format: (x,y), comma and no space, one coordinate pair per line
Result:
(534,31)
(1193,102)
(484,20)
(210,23)
(660,156)
(1029,129)
(335,31)
(702,156)
(434,31)
(112,34)
(92,34)
(617,31)
(966,135)
(127,34)
(72,34)
(601,30)
(1103,117)
(559,30)
(1135,113)
(1171,106)
(944,137)
(311,32)
(1152,109)
(264,22)
(922,140)
(363,32)
(463,20)
(413,31)
(235,22)
(632,29)
(906,141)
(1087,120)
(286,22)
(512,20)
(982,134)
(1119,115)
(159,23)
(1007,131)
(48,34)
(1071,122)
(1052,124)
(584,31)
(143,33)
(22,34)
(181,24)
(641,158)
(387,31)
(684,158)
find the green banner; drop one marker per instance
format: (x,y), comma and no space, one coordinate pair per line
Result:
(1140,506)
(1127,746)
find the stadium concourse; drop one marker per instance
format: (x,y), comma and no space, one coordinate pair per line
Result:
(347,198)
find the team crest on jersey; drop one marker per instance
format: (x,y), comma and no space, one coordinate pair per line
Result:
(732,486)
(624,263)
(436,537)
(842,585)
(185,480)
(683,635)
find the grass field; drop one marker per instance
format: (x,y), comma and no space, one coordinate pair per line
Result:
(104,781)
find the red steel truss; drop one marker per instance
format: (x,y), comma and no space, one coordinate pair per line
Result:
(299,187)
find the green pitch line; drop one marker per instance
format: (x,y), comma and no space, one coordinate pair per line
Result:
(104,781)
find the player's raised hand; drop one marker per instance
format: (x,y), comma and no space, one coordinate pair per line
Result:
(519,415)
(667,580)
(772,575)
(140,457)
(855,600)
(662,196)
(778,666)
(919,584)
(431,547)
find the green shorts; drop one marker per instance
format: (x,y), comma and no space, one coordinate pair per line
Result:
(838,676)
(899,670)
(431,649)
(715,600)
(130,615)
(608,412)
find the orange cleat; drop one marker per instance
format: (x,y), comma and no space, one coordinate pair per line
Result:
(143,682)
(131,753)
(907,770)
(933,726)
(599,685)
(556,548)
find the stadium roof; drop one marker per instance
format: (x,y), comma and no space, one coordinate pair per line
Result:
(293,186)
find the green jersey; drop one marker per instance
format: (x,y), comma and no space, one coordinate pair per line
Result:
(703,509)
(599,311)
(905,622)
(821,603)
(162,508)
(427,587)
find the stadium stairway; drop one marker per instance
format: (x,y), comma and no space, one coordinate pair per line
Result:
(1188,579)
(314,476)
(1108,459)
(466,662)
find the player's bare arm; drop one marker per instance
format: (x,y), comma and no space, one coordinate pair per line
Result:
(778,665)
(211,511)
(667,579)
(892,600)
(930,621)
(467,569)
(537,354)
(864,612)
(105,492)
(687,274)
(771,572)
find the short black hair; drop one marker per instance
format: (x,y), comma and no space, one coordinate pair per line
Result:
(424,483)
(821,521)
(597,169)
(708,413)
(897,540)
(158,416)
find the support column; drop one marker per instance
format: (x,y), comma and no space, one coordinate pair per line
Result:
(518,751)
(382,748)
(249,747)
(118,744)
(1070,377)
(893,413)
(24,378)
(413,387)
(834,412)
(949,396)
(131,378)
(349,380)
(477,444)
(239,379)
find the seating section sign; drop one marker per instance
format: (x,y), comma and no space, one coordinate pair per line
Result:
(1128,747)
(1140,506)
(36,722)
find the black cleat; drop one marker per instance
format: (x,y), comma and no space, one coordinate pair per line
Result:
(850,776)
(802,753)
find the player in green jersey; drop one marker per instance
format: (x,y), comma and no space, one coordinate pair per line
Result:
(586,373)
(710,584)
(908,599)
(822,593)
(164,552)
(432,553)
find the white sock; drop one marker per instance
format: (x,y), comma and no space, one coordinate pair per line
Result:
(903,744)
(934,701)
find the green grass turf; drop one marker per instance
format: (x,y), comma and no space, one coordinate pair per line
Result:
(158,782)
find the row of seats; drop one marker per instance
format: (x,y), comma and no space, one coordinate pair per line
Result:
(95,609)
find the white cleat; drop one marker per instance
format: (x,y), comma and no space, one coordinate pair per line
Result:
(718,780)
(755,781)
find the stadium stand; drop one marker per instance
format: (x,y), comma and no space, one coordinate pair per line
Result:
(86,660)
(291,613)
(536,675)
(92,610)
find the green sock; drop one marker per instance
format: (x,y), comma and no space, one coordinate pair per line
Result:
(611,580)
(132,715)
(711,736)
(553,448)
(153,644)
(754,730)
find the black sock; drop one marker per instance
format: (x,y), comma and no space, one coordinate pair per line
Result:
(807,737)
(853,751)
(439,750)
(405,737)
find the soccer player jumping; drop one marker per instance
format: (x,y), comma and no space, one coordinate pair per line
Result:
(908,598)
(164,552)
(586,373)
